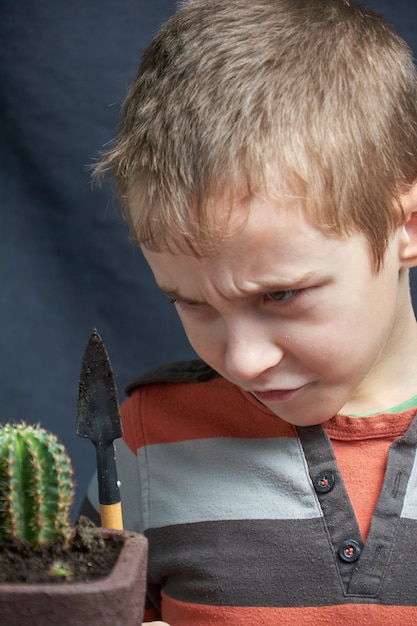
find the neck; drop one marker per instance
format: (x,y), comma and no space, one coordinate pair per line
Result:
(393,377)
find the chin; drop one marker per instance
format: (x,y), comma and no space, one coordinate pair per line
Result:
(297,419)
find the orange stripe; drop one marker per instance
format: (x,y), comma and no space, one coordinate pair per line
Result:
(182,614)
(184,411)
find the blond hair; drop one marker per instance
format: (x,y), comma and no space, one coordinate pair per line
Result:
(308,99)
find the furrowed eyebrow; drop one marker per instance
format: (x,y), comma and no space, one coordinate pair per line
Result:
(284,285)
(261,287)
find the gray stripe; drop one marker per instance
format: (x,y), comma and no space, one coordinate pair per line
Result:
(409,509)
(224,479)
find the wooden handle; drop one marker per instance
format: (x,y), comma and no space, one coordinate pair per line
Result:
(111,516)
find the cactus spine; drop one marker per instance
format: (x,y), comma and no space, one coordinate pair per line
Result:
(36,489)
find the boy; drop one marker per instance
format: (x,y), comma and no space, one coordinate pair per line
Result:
(267,160)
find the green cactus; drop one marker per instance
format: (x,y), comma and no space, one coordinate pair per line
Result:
(36,489)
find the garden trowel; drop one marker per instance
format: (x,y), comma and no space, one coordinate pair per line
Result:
(99,420)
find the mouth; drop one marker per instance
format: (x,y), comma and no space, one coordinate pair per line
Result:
(277,395)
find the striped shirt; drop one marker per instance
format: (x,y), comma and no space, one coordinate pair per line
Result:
(253,521)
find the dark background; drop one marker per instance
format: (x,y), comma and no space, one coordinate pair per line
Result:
(66,261)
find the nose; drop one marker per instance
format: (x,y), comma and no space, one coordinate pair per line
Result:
(250,351)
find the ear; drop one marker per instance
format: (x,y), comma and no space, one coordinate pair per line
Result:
(408,240)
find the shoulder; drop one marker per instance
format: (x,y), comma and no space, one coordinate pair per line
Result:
(192,371)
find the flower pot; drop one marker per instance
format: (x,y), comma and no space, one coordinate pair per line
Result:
(110,601)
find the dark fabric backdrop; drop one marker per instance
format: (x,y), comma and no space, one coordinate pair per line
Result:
(66,262)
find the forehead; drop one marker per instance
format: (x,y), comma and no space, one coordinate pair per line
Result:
(268,245)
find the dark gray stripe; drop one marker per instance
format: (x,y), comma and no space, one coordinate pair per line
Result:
(399,584)
(193,371)
(268,563)
(245,563)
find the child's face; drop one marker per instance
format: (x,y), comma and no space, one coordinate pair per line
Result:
(291,315)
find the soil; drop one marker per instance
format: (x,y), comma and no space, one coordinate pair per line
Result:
(84,558)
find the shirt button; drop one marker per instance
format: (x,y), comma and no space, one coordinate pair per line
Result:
(350,550)
(324,481)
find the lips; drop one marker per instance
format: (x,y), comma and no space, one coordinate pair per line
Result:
(276,395)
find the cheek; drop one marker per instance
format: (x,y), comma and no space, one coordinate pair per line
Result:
(330,349)
(341,353)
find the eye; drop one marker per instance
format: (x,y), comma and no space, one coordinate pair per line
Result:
(184,304)
(282,296)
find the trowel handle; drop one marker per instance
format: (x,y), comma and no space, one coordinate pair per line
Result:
(111,516)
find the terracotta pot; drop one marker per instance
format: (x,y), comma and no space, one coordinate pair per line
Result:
(117,599)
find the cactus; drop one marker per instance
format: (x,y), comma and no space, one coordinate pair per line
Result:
(36,489)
